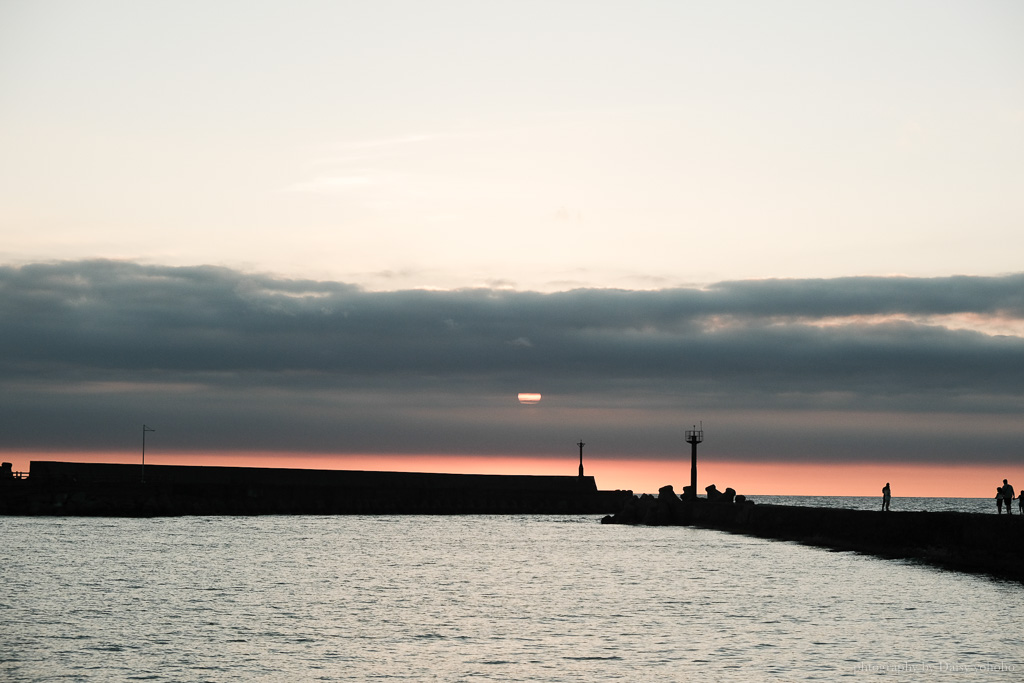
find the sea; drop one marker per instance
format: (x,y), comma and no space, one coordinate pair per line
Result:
(484,598)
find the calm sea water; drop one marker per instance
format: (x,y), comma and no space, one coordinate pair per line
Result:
(517,598)
(980,505)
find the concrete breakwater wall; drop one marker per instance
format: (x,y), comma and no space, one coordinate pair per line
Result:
(990,544)
(59,488)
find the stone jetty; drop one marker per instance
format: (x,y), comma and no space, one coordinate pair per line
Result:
(989,544)
(100,489)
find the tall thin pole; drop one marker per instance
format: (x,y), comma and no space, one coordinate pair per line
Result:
(693,437)
(693,467)
(581,445)
(144,430)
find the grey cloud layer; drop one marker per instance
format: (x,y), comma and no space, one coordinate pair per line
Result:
(300,352)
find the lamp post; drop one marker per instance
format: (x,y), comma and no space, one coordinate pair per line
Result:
(144,430)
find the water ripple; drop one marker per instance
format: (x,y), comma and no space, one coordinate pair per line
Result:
(495,598)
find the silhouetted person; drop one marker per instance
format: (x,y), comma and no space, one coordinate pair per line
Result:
(999,499)
(1020,502)
(1008,497)
(885,497)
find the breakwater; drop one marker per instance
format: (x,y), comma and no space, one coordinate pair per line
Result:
(100,489)
(980,543)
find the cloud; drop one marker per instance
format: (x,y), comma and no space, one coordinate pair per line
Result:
(240,360)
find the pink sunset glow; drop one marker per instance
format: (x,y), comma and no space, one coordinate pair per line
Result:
(640,476)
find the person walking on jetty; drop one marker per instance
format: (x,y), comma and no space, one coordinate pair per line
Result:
(1008,497)
(999,500)
(885,497)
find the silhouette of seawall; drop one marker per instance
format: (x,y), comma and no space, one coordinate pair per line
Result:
(63,488)
(990,544)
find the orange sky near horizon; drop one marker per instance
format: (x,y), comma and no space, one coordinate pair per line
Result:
(640,476)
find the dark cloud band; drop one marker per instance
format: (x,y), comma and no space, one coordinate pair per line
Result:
(100,338)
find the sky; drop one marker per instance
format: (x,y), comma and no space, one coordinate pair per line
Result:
(342,234)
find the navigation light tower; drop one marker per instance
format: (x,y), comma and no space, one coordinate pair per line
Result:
(693,437)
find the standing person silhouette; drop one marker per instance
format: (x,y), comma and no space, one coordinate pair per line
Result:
(1008,497)
(999,500)
(1020,502)
(885,497)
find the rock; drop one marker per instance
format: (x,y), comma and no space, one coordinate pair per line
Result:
(648,510)
(671,510)
(632,512)
(664,510)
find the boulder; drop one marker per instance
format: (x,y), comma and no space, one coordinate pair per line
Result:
(664,510)
(633,512)
(671,510)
